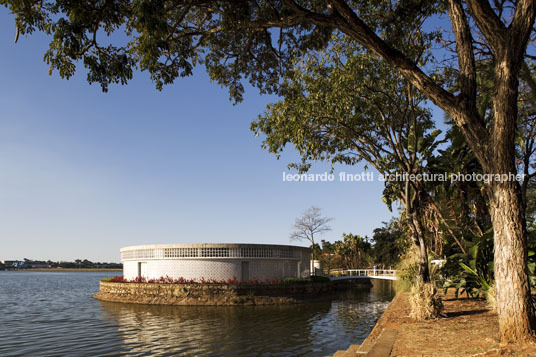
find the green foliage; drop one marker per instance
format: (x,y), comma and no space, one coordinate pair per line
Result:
(234,40)
(532,257)
(461,202)
(352,252)
(344,106)
(407,271)
(390,243)
(471,273)
(316,251)
(531,204)
(295,280)
(356,251)
(167,39)
(328,255)
(319,279)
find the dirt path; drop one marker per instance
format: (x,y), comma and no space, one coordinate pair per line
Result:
(468,329)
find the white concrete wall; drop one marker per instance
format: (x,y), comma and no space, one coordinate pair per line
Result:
(195,269)
(130,269)
(219,269)
(270,262)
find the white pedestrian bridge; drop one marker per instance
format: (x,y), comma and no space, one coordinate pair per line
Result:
(385,274)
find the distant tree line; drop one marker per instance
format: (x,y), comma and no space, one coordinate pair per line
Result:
(384,250)
(77,264)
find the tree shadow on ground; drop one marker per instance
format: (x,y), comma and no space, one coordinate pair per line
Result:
(465,313)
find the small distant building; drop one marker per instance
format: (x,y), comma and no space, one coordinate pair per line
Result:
(242,262)
(13,263)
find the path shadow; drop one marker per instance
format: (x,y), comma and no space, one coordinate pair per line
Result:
(465,313)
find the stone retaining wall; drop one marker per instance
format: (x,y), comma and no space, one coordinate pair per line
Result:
(224,294)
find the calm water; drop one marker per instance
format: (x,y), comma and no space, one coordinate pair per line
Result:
(53,314)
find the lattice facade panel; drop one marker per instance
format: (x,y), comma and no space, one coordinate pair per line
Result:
(215,261)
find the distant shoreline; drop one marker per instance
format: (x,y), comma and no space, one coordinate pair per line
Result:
(65,269)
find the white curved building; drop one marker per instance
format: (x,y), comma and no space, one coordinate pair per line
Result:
(215,261)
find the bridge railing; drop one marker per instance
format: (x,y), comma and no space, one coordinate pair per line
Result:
(362,272)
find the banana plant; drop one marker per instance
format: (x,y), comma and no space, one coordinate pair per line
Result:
(476,274)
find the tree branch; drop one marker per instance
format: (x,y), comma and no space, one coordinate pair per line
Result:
(521,27)
(458,108)
(488,22)
(464,48)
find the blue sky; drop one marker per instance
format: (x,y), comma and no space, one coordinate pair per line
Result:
(84,173)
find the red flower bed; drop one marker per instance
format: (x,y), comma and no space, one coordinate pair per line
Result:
(169,280)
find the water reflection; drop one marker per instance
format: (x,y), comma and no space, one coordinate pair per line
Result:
(53,314)
(318,328)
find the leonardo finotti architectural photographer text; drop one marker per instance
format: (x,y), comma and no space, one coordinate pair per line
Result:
(371,176)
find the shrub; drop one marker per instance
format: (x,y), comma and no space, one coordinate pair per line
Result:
(407,270)
(139,279)
(253,281)
(182,280)
(169,280)
(166,280)
(295,281)
(273,281)
(319,279)
(472,273)
(311,279)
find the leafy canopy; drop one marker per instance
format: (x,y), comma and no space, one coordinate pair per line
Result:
(234,40)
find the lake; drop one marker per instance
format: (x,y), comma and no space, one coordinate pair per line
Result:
(53,314)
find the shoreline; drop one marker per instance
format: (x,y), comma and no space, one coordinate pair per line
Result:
(64,269)
(372,339)
(467,328)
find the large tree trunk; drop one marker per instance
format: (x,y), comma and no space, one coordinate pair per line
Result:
(514,306)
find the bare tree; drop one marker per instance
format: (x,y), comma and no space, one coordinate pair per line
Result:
(310,224)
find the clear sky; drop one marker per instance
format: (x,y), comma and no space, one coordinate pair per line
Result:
(84,173)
